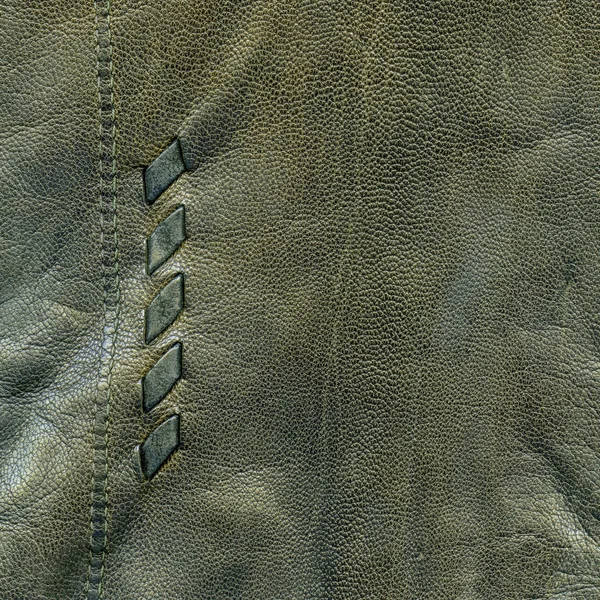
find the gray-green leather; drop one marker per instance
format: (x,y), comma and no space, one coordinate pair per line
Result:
(390,385)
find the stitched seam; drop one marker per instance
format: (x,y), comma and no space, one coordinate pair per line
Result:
(109,256)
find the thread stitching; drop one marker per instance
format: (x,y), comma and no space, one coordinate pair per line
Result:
(109,255)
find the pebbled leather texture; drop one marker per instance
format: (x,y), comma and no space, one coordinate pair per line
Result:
(388,298)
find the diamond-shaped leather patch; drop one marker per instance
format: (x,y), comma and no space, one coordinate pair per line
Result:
(159,445)
(165,307)
(165,240)
(161,378)
(163,171)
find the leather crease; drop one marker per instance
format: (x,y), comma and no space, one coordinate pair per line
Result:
(110,263)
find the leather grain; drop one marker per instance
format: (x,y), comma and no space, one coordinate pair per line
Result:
(390,384)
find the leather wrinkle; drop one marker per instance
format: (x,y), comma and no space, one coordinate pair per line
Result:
(112,295)
(338,306)
(210,127)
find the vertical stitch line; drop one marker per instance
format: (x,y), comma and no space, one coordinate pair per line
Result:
(109,256)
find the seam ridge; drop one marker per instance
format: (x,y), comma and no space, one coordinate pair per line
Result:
(109,256)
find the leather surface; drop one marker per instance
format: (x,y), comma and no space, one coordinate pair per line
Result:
(390,384)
